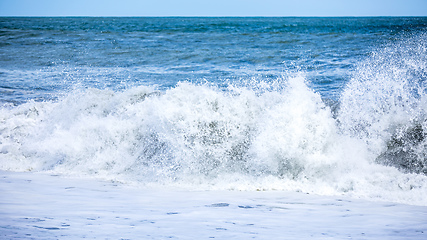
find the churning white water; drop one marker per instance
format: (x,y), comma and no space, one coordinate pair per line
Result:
(200,137)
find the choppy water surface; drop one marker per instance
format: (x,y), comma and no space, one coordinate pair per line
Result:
(323,105)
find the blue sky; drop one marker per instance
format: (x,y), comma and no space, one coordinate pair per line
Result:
(213,8)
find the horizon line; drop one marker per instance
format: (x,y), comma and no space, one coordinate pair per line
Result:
(213,16)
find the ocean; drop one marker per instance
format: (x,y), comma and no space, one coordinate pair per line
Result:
(236,107)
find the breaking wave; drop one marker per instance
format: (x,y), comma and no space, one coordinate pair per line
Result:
(267,136)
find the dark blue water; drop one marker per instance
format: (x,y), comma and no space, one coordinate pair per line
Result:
(40,57)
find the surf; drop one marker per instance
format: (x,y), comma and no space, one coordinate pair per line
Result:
(260,135)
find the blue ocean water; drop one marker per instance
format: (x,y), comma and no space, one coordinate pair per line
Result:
(43,56)
(324,105)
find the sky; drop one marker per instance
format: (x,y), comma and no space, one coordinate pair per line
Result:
(213,8)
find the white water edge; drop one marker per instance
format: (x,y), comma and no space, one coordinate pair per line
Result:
(44,206)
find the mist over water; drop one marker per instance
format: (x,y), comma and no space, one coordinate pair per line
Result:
(278,129)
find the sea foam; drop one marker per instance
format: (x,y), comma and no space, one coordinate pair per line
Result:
(276,135)
(201,137)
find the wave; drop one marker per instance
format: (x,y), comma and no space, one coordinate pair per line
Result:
(267,136)
(385,104)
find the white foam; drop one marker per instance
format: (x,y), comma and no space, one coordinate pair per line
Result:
(41,206)
(200,137)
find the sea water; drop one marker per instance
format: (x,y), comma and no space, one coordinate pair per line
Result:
(326,106)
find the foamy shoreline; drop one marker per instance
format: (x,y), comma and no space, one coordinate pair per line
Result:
(42,206)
